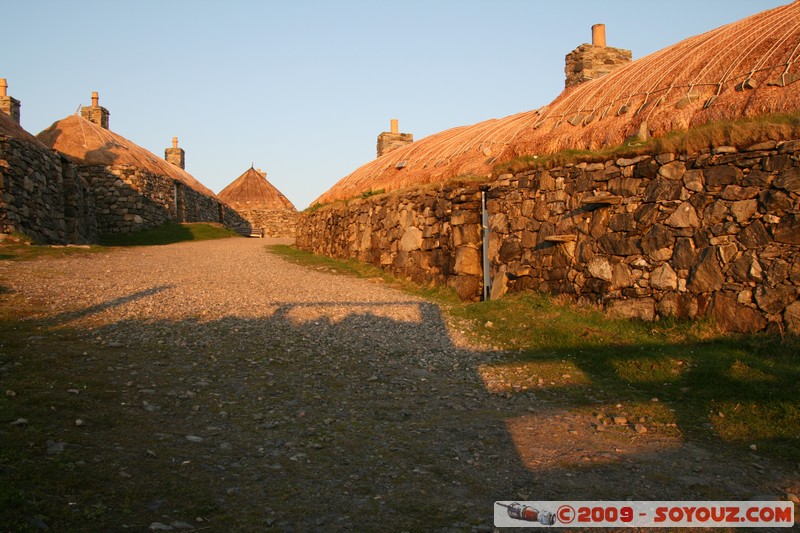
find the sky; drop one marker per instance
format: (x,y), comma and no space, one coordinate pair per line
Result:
(302,88)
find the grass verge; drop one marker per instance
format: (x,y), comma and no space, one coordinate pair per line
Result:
(169,233)
(738,391)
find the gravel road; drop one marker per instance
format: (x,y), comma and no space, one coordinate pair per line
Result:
(241,392)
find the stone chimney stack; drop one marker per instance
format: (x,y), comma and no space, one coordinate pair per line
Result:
(8,104)
(393,139)
(175,155)
(592,61)
(96,113)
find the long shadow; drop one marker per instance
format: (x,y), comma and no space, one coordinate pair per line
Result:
(320,417)
(69,316)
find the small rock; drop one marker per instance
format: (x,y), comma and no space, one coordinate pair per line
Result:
(193,438)
(639,428)
(654,400)
(158,526)
(489,324)
(79,422)
(54,448)
(620,420)
(177,524)
(792,497)
(600,427)
(754,447)
(10,393)
(73,391)
(19,422)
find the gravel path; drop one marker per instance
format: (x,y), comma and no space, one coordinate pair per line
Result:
(222,387)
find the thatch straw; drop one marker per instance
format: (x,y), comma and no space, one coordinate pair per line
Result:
(87,143)
(251,190)
(9,127)
(745,69)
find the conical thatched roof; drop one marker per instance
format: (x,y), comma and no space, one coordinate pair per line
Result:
(9,126)
(251,190)
(747,68)
(87,143)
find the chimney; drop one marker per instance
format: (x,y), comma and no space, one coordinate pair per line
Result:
(592,61)
(393,139)
(96,113)
(8,104)
(599,35)
(175,155)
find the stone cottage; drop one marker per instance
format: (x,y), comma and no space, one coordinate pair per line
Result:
(265,209)
(657,232)
(41,193)
(132,188)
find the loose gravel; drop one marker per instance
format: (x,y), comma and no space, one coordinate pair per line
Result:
(248,393)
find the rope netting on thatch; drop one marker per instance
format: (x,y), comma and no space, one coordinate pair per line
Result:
(744,69)
(90,144)
(251,190)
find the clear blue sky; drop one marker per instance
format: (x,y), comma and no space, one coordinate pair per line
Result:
(302,88)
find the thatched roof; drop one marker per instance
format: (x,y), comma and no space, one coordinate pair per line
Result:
(251,190)
(9,126)
(745,69)
(87,143)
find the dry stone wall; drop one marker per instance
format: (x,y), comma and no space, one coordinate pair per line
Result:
(42,195)
(278,223)
(427,235)
(672,235)
(130,199)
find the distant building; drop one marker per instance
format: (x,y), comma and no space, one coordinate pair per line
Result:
(268,212)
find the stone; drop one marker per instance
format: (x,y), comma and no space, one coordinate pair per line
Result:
(510,250)
(619,244)
(684,254)
(693,180)
(791,317)
(733,317)
(788,230)
(499,284)
(640,428)
(673,170)
(663,190)
(621,276)
(706,276)
(722,175)
(620,420)
(158,526)
(600,267)
(754,236)
(640,308)
(774,201)
(788,180)
(684,216)
(744,210)
(411,240)
(468,261)
(677,305)
(746,268)
(467,287)
(735,192)
(773,300)
(664,278)
(658,237)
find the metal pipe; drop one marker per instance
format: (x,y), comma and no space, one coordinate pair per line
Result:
(487,279)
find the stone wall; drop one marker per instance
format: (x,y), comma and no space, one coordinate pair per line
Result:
(427,235)
(712,234)
(130,199)
(278,223)
(42,195)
